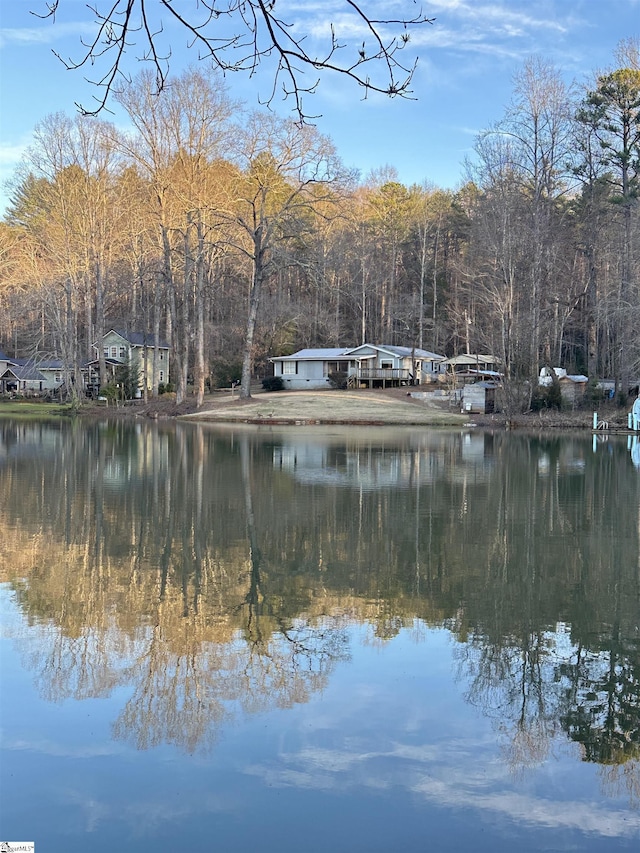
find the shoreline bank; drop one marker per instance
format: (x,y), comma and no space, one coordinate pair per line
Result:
(390,407)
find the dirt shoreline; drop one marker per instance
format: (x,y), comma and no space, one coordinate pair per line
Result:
(391,407)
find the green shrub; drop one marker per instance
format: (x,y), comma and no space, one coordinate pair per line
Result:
(110,391)
(593,393)
(273,383)
(338,378)
(128,378)
(546,397)
(554,395)
(224,372)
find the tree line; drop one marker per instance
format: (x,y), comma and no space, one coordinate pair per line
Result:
(239,235)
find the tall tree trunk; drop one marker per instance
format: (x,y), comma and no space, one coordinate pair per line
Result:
(172,324)
(199,374)
(185,315)
(157,294)
(254,304)
(100,323)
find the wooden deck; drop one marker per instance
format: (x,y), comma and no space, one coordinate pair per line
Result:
(381,377)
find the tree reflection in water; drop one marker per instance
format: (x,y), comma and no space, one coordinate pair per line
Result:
(214,572)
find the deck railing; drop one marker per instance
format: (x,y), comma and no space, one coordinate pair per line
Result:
(397,374)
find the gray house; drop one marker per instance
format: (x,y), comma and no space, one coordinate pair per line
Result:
(365,366)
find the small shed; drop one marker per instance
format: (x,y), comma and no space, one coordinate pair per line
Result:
(573,387)
(479,398)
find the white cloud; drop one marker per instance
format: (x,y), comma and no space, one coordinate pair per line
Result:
(11,152)
(447,776)
(10,157)
(49,747)
(45,32)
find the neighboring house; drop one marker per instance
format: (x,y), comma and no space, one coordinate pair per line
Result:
(29,376)
(368,365)
(130,348)
(21,379)
(4,363)
(310,368)
(53,372)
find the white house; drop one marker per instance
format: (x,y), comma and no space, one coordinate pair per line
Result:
(368,365)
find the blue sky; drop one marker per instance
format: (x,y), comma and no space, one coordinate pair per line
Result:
(467,60)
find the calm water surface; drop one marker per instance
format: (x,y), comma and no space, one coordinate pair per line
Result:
(319,640)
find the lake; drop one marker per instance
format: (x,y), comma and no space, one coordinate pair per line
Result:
(318,639)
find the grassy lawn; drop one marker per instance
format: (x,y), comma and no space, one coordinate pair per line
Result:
(31,409)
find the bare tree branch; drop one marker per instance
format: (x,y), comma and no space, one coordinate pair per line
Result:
(240,35)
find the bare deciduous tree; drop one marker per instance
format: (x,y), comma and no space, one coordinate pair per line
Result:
(178,136)
(240,35)
(285,174)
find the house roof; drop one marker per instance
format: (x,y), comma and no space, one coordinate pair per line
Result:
(404,352)
(138,339)
(327,354)
(36,363)
(24,372)
(110,362)
(471,358)
(573,377)
(495,373)
(337,353)
(50,364)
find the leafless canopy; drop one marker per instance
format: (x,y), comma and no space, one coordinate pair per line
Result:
(239,35)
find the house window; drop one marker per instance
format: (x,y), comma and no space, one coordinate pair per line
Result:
(386,365)
(114,352)
(162,376)
(289,367)
(57,378)
(332,367)
(123,352)
(161,356)
(106,352)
